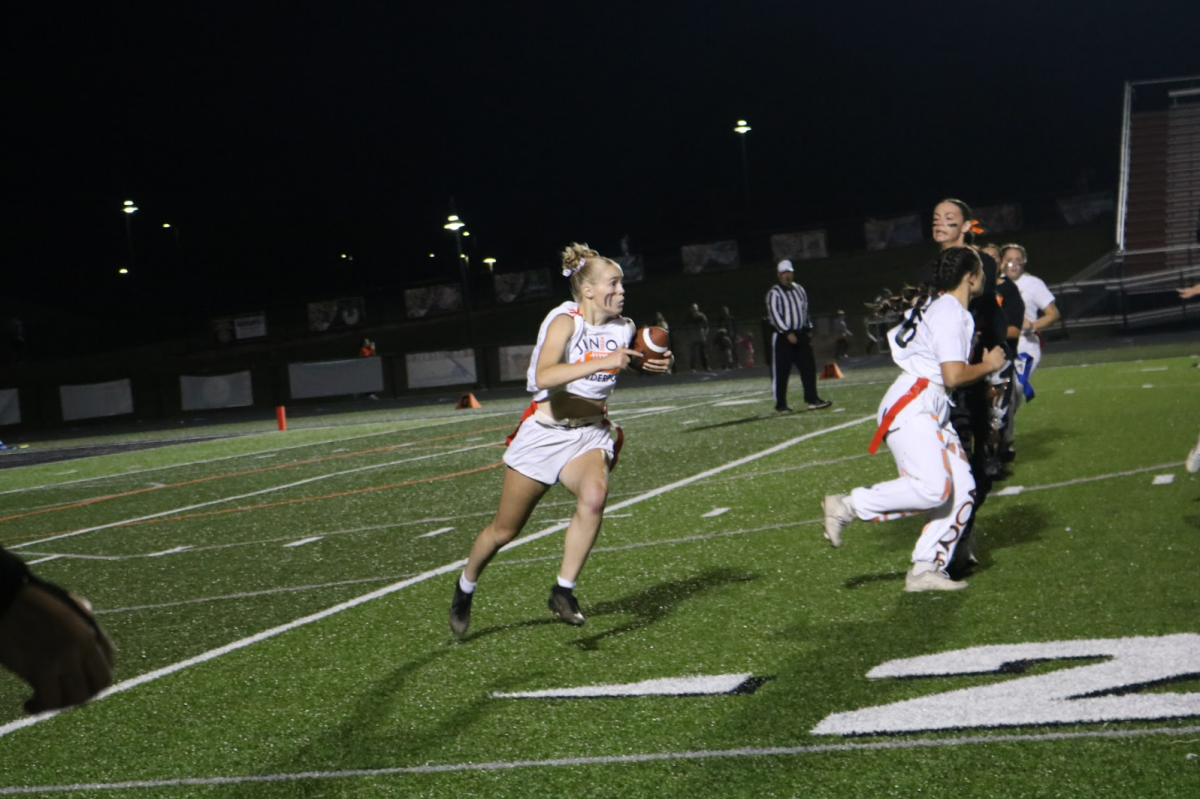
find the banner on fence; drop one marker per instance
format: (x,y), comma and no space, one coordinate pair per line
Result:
(433,300)
(332,378)
(238,328)
(336,314)
(520,286)
(514,362)
(799,246)
(714,257)
(10,406)
(433,369)
(633,266)
(92,400)
(1079,209)
(999,218)
(898,231)
(202,393)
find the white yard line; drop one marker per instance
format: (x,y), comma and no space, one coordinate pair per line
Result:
(611,760)
(204,657)
(271,490)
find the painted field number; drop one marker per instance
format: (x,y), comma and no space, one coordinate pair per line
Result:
(1098,692)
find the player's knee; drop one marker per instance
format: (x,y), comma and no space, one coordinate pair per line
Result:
(501,533)
(931,493)
(591,497)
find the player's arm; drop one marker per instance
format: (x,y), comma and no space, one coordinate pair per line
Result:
(1049,316)
(956,374)
(1189,292)
(553,370)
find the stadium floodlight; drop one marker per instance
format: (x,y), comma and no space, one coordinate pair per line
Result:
(742,127)
(123,271)
(491,263)
(128,207)
(454,223)
(166,224)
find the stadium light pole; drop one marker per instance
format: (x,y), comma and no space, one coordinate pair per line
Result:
(130,209)
(741,128)
(455,226)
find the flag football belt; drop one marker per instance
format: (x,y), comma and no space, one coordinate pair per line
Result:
(894,411)
(572,424)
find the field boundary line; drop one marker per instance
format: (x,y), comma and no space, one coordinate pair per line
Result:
(233,646)
(608,760)
(125,522)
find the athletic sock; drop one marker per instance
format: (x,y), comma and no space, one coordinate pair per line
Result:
(466,585)
(567,584)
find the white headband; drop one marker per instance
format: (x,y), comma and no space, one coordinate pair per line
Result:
(568,271)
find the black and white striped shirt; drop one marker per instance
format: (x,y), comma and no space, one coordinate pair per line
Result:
(787,308)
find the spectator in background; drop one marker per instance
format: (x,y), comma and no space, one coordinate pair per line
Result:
(791,324)
(730,325)
(724,343)
(367,350)
(841,332)
(698,339)
(50,639)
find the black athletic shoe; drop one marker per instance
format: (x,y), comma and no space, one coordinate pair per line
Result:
(563,602)
(460,610)
(785,409)
(819,404)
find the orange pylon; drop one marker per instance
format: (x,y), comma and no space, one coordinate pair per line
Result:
(467,401)
(831,371)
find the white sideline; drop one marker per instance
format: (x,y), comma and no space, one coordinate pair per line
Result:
(608,760)
(151,676)
(270,490)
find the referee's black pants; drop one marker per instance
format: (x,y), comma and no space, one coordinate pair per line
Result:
(787,354)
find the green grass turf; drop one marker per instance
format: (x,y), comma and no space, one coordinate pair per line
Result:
(668,592)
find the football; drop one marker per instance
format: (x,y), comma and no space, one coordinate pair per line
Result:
(653,343)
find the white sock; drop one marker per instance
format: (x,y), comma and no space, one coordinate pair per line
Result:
(922,566)
(567,584)
(466,585)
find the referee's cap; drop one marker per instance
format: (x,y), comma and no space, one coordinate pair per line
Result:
(785,266)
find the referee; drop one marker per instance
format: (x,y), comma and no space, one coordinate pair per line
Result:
(791,341)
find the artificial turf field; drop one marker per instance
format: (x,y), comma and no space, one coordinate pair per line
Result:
(279,604)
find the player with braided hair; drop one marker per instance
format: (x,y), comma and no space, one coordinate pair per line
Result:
(932,347)
(564,436)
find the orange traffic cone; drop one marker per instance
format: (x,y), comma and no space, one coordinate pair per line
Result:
(831,371)
(467,401)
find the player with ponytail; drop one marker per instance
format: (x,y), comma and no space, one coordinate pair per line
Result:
(932,347)
(564,436)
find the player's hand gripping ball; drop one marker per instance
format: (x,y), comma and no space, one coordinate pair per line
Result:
(653,343)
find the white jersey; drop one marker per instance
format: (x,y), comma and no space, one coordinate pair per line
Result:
(1037,298)
(937,332)
(586,343)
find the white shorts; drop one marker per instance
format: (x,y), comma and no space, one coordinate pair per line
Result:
(541,452)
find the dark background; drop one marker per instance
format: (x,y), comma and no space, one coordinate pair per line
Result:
(276,137)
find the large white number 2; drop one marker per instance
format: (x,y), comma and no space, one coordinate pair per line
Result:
(1067,696)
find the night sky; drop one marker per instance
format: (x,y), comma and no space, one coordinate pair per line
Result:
(275,137)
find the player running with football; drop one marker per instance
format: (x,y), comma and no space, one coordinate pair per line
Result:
(932,345)
(564,436)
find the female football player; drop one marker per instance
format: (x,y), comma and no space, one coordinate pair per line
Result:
(932,345)
(564,436)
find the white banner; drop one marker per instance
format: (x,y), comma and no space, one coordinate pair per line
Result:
(10,406)
(96,399)
(800,246)
(331,378)
(432,369)
(216,391)
(514,362)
